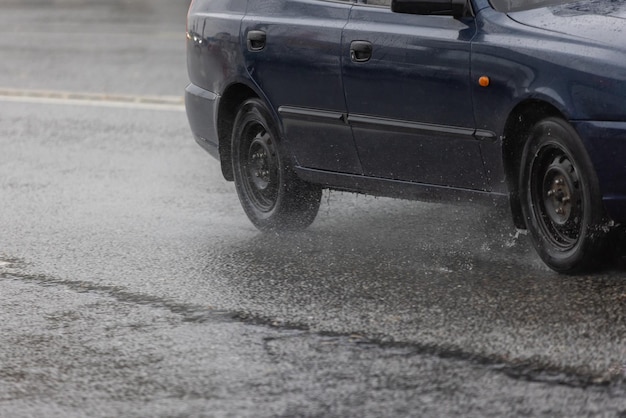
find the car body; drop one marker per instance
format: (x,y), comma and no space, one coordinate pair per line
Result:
(419,99)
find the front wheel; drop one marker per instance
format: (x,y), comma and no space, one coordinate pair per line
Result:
(271,194)
(560,198)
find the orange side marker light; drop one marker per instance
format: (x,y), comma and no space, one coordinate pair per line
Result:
(483,81)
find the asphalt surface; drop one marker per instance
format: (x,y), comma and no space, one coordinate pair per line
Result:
(133,285)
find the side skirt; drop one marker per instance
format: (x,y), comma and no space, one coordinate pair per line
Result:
(400,189)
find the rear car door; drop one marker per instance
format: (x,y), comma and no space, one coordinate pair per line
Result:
(407,83)
(293,53)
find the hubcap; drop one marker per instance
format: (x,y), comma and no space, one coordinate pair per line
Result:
(261,167)
(559,188)
(557,197)
(259,158)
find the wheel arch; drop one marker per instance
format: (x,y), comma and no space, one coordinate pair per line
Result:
(231,99)
(516,130)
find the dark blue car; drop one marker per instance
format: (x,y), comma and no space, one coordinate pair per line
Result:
(515,101)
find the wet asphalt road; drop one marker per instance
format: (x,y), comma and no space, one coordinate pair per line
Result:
(133,285)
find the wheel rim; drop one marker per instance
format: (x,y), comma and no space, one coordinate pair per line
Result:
(260,167)
(557,197)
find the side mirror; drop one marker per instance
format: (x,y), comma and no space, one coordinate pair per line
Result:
(454,8)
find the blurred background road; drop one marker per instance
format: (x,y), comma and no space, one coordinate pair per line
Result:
(100,46)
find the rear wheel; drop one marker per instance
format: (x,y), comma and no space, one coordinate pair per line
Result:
(272,196)
(560,198)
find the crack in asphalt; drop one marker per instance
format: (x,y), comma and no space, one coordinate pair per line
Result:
(527,370)
(188,312)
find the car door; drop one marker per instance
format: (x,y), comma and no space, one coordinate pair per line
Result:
(407,83)
(293,53)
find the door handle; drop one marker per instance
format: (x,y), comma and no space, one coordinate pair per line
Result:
(256,40)
(360,51)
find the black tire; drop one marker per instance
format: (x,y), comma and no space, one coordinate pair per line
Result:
(560,198)
(271,194)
